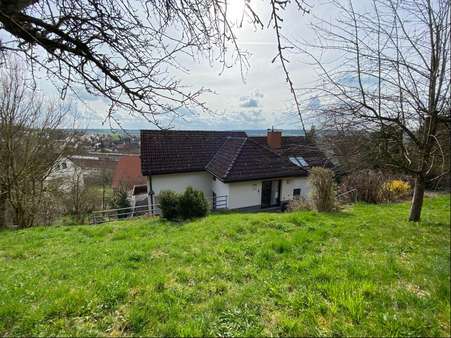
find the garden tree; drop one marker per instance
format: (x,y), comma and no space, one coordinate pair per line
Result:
(385,68)
(28,145)
(106,176)
(3,202)
(80,199)
(440,172)
(103,180)
(126,50)
(355,150)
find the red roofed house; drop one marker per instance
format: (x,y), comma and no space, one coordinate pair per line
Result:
(127,173)
(246,172)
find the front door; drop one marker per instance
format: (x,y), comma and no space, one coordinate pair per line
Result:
(270,193)
(266,194)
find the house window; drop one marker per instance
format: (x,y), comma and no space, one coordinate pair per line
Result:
(299,161)
(296,193)
(214,178)
(63,165)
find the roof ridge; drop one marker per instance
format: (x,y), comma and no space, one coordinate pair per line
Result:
(217,151)
(235,157)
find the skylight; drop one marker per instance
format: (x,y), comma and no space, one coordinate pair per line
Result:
(299,161)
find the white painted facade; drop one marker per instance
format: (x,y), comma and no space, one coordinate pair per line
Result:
(179,182)
(65,173)
(220,188)
(248,193)
(289,184)
(239,194)
(244,194)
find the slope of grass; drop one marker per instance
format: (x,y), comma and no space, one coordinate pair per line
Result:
(363,271)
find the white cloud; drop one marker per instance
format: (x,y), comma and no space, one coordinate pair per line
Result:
(261,101)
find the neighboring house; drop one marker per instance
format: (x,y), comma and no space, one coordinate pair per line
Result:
(248,172)
(127,175)
(93,165)
(127,172)
(64,172)
(79,167)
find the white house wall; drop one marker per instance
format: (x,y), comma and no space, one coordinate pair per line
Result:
(289,184)
(65,172)
(244,194)
(248,193)
(220,188)
(240,194)
(179,182)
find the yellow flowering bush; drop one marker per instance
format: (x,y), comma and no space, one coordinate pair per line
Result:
(396,189)
(398,186)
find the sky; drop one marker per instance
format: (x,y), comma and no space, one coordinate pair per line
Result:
(258,100)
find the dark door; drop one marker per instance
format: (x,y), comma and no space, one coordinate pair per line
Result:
(266,194)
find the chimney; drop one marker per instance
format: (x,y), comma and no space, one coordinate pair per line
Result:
(274,139)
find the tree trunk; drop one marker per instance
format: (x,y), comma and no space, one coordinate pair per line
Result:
(2,209)
(417,199)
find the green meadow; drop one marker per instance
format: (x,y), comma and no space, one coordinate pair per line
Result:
(364,271)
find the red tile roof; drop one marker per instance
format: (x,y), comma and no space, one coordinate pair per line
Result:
(242,159)
(174,151)
(230,156)
(299,146)
(128,172)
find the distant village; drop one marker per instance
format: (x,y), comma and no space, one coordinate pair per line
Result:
(92,142)
(99,165)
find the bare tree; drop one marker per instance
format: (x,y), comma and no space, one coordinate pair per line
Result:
(28,146)
(385,68)
(80,199)
(126,50)
(3,202)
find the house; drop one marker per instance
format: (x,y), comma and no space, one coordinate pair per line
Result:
(127,173)
(63,173)
(228,166)
(92,166)
(79,169)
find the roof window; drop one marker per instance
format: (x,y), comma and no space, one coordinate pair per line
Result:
(299,161)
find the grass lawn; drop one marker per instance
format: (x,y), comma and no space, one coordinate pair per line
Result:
(363,271)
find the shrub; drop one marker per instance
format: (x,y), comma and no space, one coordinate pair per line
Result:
(192,203)
(395,190)
(323,189)
(375,186)
(168,201)
(367,184)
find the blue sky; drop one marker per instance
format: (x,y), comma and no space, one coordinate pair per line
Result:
(261,100)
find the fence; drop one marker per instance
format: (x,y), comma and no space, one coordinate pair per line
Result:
(102,216)
(348,196)
(218,202)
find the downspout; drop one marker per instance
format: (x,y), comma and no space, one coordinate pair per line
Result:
(150,201)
